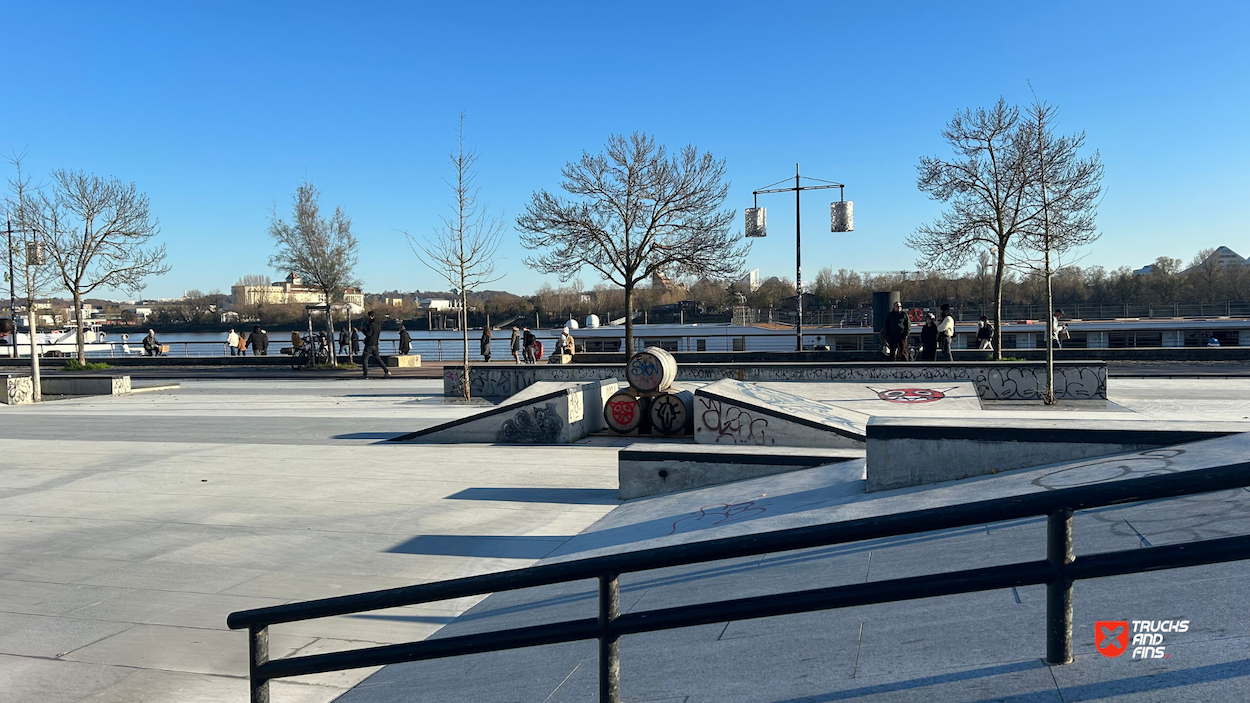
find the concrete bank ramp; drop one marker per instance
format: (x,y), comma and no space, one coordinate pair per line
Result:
(554,412)
(736,412)
(653,468)
(906,398)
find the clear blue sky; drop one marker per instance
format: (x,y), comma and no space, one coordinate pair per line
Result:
(218,109)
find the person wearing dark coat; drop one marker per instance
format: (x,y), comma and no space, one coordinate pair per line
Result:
(929,339)
(344,342)
(485,342)
(985,334)
(258,341)
(355,341)
(530,343)
(405,340)
(373,336)
(896,329)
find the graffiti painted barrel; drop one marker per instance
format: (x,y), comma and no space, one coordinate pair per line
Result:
(672,413)
(622,412)
(651,369)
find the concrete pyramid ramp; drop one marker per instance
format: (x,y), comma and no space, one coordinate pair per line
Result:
(550,412)
(734,412)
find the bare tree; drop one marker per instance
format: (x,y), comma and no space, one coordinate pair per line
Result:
(320,250)
(1206,274)
(986,185)
(634,212)
(462,250)
(97,232)
(1065,188)
(37,279)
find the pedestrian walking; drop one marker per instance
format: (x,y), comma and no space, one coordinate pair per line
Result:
(1058,332)
(355,341)
(515,344)
(344,342)
(897,329)
(405,340)
(528,342)
(243,345)
(232,343)
(256,340)
(985,334)
(373,336)
(929,339)
(485,343)
(946,332)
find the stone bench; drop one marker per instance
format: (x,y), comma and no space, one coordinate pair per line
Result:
(905,452)
(66,384)
(16,389)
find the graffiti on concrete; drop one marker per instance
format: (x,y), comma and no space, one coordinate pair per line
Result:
(780,401)
(17,389)
(730,423)
(533,425)
(719,514)
(1140,465)
(669,414)
(911,395)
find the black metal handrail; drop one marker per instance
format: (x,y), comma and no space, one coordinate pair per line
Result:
(1057,571)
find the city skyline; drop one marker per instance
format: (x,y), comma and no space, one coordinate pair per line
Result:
(218,115)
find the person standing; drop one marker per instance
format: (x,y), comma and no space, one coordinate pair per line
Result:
(373,336)
(515,344)
(254,341)
(243,345)
(528,342)
(896,329)
(485,343)
(928,339)
(232,343)
(355,342)
(405,340)
(985,334)
(946,332)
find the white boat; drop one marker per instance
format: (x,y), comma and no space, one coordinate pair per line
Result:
(62,342)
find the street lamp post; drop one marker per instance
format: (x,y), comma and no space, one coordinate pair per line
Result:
(840,220)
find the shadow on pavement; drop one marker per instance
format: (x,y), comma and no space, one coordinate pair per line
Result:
(575,496)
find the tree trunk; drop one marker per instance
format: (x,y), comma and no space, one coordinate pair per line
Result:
(1049,398)
(330,341)
(80,336)
(464,331)
(32,327)
(629,320)
(998,303)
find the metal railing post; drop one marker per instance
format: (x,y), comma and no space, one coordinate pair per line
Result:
(1059,591)
(609,642)
(258,655)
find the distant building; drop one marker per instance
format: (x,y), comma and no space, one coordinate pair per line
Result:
(751,281)
(1224,258)
(291,290)
(659,280)
(435,303)
(1145,270)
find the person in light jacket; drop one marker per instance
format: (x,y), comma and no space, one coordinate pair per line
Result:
(232,343)
(946,332)
(515,343)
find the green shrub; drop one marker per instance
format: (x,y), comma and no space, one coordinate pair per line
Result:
(74,365)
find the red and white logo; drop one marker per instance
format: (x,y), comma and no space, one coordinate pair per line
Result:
(911,395)
(1111,637)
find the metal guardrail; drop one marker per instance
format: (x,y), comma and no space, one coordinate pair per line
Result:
(1058,571)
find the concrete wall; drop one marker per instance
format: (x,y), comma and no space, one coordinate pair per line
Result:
(904,452)
(739,413)
(654,469)
(560,416)
(994,380)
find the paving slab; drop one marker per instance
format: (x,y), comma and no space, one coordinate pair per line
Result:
(889,398)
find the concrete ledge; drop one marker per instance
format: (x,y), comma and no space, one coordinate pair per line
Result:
(904,452)
(994,380)
(16,389)
(61,384)
(403,361)
(647,469)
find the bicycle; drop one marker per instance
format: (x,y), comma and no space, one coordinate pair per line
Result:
(312,351)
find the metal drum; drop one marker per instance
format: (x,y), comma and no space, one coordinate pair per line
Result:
(622,412)
(651,369)
(672,413)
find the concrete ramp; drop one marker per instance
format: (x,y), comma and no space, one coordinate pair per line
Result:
(734,412)
(543,413)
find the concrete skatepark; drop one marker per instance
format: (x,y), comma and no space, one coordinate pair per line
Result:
(121,557)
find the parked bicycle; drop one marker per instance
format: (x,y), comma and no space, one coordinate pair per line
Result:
(312,351)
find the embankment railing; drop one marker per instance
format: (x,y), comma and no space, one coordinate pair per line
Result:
(1058,572)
